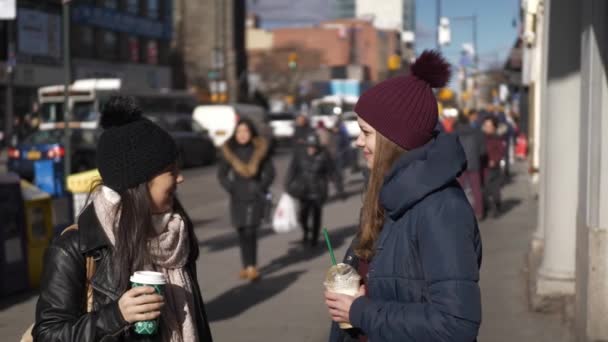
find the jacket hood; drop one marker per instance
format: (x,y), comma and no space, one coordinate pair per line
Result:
(420,172)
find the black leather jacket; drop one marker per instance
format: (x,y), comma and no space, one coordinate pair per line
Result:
(308,176)
(60,311)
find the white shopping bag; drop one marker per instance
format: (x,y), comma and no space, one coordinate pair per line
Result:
(285,218)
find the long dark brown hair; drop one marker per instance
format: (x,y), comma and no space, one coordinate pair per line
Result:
(133,229)
(372,214)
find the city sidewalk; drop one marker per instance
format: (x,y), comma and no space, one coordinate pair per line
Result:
(287,303)
(506,240)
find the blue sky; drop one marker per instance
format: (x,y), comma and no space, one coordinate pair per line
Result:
(495,31)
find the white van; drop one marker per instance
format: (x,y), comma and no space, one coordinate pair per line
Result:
(220,120)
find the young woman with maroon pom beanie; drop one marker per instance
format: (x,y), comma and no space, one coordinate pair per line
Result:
(418,249)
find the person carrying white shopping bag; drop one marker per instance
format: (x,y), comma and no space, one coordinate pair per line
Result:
(285,218)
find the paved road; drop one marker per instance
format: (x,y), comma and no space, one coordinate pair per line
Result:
(287,305)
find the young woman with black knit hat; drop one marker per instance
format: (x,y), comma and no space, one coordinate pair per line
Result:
(134,223)
(246,173)
(418,249)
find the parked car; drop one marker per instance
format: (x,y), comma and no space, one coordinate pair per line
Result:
(220,120)
(48,145)
(283,126)
(195,146)
(351,124)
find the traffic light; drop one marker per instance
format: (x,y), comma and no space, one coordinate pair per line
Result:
(394,62)
(292,60)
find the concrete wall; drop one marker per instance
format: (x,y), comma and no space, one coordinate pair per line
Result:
(591,313)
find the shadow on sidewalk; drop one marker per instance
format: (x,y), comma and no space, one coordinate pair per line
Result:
(508,205)
(241,298)
(297,254)
(230,239)
(18,298)
(197,223)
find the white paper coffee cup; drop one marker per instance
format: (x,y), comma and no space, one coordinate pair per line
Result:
(148,278)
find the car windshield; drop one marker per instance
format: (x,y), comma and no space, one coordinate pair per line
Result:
(45,137)
(325,108)
(81,111)
(348,107)
(281,116)
(51,112)
(84,111)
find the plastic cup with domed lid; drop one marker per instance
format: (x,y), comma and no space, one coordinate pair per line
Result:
(157,281)
(344,279)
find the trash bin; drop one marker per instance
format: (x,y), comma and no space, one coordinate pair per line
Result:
(80,184)
(39,228)
(48,176)
(13,258)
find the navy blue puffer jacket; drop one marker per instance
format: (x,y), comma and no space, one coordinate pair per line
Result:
(423,278)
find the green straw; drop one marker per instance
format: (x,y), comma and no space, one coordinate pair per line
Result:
(331,250)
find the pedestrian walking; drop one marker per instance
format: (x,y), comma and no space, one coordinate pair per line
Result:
(418,250)
(340,147)
(133,223)
(302,130)
(493,175)
(474,145)
(246,173)
(325,138)
(307,180)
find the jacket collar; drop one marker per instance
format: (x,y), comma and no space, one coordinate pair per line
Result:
(92,236)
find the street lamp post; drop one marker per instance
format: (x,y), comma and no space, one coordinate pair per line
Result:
(438,43)
(67,69)
(473,20)
(10,71)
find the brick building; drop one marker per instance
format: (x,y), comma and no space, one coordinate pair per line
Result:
(338,43)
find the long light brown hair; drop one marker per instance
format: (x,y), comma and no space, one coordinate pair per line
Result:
(372,214)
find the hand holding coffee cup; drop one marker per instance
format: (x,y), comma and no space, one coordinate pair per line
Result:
(140,304)
(144,301)
(342,284)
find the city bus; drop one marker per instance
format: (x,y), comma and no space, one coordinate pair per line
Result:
(87,96)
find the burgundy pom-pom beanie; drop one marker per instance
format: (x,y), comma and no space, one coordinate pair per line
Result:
(404,109)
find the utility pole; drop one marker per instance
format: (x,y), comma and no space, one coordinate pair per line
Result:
(11,62)
(67,69)
(8,12)
(438,44)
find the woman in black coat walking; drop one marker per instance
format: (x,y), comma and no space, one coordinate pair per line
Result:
(418,250)
(246,173)
(307,180)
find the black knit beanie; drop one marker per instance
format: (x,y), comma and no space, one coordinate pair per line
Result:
(132,150)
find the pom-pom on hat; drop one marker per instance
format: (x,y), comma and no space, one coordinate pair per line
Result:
(132,149)
(404,109)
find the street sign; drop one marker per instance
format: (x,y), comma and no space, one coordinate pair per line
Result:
(8,9)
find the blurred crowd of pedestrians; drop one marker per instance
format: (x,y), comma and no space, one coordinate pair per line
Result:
(489,138)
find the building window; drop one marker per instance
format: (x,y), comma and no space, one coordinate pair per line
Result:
(108,49)
(152,52)
(113,4)
(163,52)
(134,49)
(132,6)
(152,9)
(84,41)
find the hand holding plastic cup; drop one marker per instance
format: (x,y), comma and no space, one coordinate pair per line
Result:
(340,278)
(157,281)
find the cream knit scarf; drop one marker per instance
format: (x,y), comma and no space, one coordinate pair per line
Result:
(170,250)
